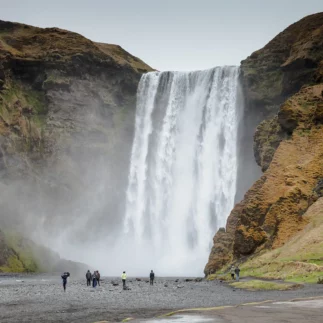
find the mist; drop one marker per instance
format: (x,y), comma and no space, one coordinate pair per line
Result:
(83,200)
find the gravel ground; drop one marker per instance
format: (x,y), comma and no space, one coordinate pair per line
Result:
(40,298)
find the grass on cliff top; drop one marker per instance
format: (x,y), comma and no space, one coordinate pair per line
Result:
(264,285)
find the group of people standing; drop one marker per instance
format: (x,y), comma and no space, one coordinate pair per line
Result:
(124,278)
(93,279)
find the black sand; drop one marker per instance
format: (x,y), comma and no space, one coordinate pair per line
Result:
(40,298)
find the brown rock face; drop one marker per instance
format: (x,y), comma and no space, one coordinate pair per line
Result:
(288,146)
(67,109)
(271,212)
(284,65)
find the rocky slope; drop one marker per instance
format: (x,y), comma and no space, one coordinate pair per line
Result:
(67,109)
(285,77)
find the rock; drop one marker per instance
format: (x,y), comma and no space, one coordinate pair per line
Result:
(180,286)
(165,285)
(282,84)
(198,280)
(267,138)
(138,279)
(176,280)
(188,280)
(284,65)
(75,95)
(271,212)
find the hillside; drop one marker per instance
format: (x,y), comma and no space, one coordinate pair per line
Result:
(67,109)
(21,255)
(284,83)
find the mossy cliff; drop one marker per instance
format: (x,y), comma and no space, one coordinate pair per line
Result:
(284,80)
(21,255)
(67,107)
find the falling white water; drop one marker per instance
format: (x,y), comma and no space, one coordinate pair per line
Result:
(182,179)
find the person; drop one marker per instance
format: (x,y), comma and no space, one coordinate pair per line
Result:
(237,272)
(124,277)
(152,277)
(98,277)
(232,272)
(94,280)
(88,277)
(64,278)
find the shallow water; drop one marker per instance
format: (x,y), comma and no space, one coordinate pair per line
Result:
(183,319)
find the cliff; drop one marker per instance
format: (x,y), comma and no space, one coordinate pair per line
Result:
(284,83)
(277,71)
(67,108)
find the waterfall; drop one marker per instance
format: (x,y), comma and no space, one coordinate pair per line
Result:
(183,170)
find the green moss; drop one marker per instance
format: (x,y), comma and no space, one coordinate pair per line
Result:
(14,265)
(264,285)
(219,276)
(16,91)
(306,278)
(36,100)
(54,80)
(23,249)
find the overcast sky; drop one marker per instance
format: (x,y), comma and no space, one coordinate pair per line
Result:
(169,34)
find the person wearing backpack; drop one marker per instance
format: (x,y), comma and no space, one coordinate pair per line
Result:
(98,277)
(232,271)
(152,277)
(94,280)
(237,272)
(88,277)
(64,278)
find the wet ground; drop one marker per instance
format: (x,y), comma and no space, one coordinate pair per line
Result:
(309,311)
(40,298)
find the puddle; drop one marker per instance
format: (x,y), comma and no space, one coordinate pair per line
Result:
(315,303)
(184,319)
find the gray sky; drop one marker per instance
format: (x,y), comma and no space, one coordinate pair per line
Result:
(169,34)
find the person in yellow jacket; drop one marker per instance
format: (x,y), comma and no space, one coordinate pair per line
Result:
(124,277)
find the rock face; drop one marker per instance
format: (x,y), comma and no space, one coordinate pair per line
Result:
(293,58)
(67,108)
(285,74)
